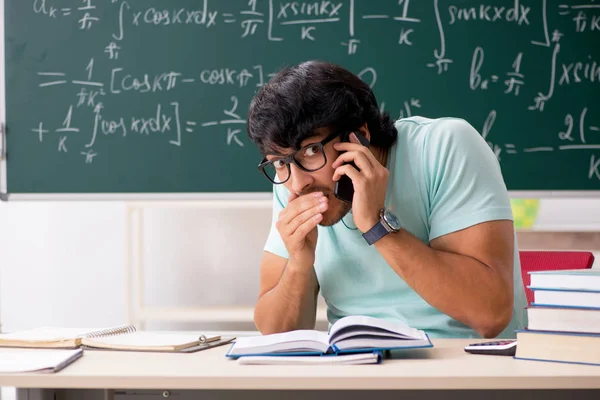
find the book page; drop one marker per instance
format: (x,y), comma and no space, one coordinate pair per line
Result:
(294,341)
(364,331)
(359,322)
(286,337)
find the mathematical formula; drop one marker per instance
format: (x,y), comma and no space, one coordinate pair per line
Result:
(280,21)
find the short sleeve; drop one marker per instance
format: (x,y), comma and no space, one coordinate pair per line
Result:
(463,177)
(274,242)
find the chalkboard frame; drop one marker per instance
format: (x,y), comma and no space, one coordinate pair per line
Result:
(3,164)
(204,196)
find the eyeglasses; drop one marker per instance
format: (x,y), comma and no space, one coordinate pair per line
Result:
(309,158)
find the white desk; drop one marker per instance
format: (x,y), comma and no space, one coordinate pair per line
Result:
(438,370)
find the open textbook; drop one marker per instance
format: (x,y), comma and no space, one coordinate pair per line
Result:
(353,334)
(123,337)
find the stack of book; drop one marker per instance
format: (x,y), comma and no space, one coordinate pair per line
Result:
(564,318)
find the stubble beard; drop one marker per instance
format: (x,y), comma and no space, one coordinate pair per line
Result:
(343,210)
(344,207)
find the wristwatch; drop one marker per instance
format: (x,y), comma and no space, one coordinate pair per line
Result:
(388,223)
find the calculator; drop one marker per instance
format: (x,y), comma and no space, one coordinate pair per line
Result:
(493,348)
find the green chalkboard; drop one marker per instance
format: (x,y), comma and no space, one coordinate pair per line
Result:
(150,96)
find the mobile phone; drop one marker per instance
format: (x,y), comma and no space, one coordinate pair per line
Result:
(344,189)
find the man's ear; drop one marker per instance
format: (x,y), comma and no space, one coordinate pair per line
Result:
(364,130)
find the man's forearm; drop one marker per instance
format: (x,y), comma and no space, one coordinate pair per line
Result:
(459,286)
(291,304)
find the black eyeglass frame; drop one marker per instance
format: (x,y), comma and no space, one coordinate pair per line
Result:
(290,158)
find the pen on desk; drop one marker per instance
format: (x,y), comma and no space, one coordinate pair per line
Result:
(203,339)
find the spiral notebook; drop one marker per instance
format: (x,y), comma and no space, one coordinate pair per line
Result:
(124,337)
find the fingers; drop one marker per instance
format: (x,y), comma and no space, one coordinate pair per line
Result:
(305,228)
(355,151)
(361,161)
(346,146)
(351,172)
(354,144)
(300,210)
(297,204)
(302,218)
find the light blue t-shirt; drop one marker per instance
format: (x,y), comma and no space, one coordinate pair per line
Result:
(443,178)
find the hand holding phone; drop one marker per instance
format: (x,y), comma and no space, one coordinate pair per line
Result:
(344,189)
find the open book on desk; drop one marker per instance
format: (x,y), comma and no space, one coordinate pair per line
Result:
(123,337)
(353,334)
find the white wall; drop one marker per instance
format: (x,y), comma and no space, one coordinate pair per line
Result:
(562,214)
(62,263)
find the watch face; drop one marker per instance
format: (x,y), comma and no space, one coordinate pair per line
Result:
(392,220)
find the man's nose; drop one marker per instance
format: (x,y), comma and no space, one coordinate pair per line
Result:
(300,180)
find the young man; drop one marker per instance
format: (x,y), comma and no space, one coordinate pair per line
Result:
(428,238)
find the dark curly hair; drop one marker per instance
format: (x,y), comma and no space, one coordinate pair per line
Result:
(310,95)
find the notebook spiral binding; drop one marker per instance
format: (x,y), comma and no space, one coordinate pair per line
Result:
(112,331)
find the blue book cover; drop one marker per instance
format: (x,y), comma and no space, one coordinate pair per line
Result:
(375,357)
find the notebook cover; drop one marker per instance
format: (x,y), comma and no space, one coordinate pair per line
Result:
(205,346)
(295,353)
(193,349)
(68,361)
